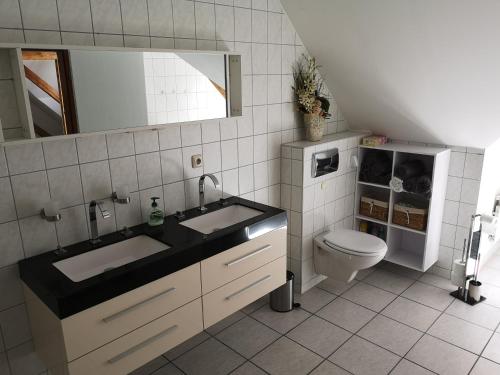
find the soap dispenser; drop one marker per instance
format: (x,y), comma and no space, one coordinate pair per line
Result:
(156,215)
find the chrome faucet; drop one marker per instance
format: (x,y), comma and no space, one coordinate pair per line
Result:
(202,189)
(94,232)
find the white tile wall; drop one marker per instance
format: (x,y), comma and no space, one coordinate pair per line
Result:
(314,205)
(150,162)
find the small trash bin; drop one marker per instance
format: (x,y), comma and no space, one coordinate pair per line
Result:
(281,299)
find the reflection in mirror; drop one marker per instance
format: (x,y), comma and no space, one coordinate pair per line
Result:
(83,91)
(48,82)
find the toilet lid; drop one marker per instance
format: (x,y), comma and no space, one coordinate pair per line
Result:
(354,241)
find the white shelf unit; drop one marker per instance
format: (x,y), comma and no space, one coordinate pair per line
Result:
(408,247)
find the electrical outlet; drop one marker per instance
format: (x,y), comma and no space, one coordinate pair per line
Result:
(197,161)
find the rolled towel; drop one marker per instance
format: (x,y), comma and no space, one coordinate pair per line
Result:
(409,169)
(410,184)
(423,185)
(376,167)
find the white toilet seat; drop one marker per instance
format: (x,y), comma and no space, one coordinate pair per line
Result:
(354,243)
(342,253)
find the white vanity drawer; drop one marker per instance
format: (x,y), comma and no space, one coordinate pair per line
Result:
(98,325)
(233,296)
(142,345)
(242,259)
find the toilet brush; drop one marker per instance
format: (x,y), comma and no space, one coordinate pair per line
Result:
(468,287)
(458,274)
(474,285)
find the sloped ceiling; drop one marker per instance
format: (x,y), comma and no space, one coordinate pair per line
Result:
(422,70)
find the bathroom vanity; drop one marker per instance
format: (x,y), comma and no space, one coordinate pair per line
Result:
(140,295)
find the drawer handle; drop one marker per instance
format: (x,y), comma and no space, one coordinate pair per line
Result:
(248,287)
(141,345)
(245,257)
(137,305)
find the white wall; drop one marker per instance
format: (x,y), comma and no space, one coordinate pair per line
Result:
(421,70)
(489,189)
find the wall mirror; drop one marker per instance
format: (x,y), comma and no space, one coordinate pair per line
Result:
(58,91)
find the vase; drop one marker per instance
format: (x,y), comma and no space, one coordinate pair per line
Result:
(315,126)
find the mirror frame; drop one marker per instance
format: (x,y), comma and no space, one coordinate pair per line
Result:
(233,72)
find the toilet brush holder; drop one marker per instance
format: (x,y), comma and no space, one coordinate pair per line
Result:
(475,291)
(471,295)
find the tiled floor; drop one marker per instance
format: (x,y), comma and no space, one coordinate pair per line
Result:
(389,320)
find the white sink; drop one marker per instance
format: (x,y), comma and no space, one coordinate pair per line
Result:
(225,217)
(97,261)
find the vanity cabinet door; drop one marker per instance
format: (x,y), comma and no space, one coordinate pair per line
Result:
(242,259)
(142,345)
(98,325)
(231,297)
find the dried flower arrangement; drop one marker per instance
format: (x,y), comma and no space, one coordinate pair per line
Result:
(309,87)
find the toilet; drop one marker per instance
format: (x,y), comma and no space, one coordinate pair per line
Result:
(340,254)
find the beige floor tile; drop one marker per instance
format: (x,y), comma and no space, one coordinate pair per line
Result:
(485,367)
(438,281)
(150,367)
(492,350)
(314,299)
(362,357)
(411,313)
(400,270)
(369,296)
(461,333)
(481,314)
(335,286)
(210,357)
(224,323)
(281,322)
(248,368)
(390,335)
(389,281)
(169,369)
(248,336)
(319,336)
(408,368)
(285,357)
(256,305)
(186,345)
(328,368)
(362,274)
(441,357)
(429,295)
(346,314)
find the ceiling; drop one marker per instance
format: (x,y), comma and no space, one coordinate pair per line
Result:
(426,70)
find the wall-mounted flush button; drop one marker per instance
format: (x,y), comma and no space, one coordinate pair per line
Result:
(196,161)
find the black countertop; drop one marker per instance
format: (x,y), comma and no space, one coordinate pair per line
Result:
(187,246)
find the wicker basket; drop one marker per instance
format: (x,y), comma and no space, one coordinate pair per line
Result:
(374,208)
(414,218)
